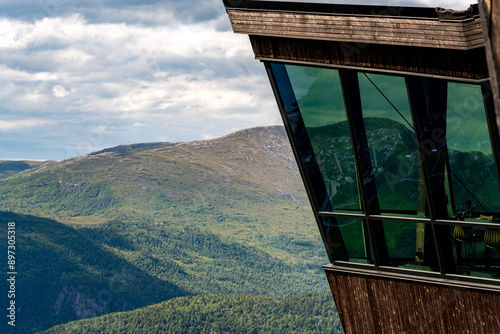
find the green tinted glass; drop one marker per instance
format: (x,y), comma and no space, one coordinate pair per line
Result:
(347,239)
(392,144)
(410,245)
(319,98)
(471,169)
(476,250)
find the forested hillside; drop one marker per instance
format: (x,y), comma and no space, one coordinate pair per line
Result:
(63,276)
(245,185)
(222,216)
(161,205)
(230,314)
(202,262)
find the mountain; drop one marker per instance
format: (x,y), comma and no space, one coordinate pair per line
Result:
(250,173)
(12,167)
(394,158)
(227,215)
(221,216)
(309,313)
(133,147)
(64,276)
(244,187)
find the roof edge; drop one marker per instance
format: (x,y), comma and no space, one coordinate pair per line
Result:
(347,9)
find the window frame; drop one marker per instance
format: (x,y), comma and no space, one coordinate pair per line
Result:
(370,216)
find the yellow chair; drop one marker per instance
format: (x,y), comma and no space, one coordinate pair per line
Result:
(463,233)
(492,238)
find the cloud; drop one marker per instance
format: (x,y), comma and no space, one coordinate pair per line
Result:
(452,4)
(145,12)
(185,80)
(99,73)
(9,74)
(59,91)
(21,124)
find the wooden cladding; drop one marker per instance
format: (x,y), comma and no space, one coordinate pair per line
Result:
(490,13)
(419,32)
(470,64)
(381,305)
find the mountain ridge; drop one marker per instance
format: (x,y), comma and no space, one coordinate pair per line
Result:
(9,168)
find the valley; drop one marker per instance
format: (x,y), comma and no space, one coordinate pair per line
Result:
(216,217)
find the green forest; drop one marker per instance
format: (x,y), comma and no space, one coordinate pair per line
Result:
(199,226)
(307,313)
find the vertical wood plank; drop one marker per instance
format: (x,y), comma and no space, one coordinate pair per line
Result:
(381,305)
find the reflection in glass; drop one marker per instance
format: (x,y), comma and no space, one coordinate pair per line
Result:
(471,166)
(391,141)
(476,250)
(347,239)
(455,149)
(410,245)
(319,98)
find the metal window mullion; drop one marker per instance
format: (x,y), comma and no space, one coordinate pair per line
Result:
(415,108)
(420,114)
(352,101)
(361,187)
(411,219)
(298,157)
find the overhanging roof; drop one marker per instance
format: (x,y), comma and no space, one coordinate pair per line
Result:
(418,40)
(406,26)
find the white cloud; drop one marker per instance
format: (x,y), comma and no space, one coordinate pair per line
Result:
(59,91)
(105,73)
(452,4)
(185,80)
(21,124)
(9,74)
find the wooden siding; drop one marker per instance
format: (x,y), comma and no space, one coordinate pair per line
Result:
(381,305)
(469,64)
(449,34)
(490,12)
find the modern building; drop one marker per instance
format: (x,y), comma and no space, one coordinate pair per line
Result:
(391,115)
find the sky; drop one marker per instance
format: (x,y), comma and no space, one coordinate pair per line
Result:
(80,76)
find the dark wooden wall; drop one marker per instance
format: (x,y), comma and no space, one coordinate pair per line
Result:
(490,14)
(470,64)
(368,304)
(495,36)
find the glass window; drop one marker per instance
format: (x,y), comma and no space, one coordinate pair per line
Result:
(476,251)
(347,239)
(319,101)
(321,104)
(410,245)
(471,169)
(392,144)
(455,148)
